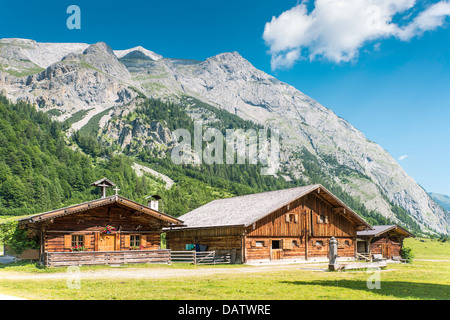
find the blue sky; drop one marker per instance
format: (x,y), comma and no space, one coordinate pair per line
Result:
(393,85)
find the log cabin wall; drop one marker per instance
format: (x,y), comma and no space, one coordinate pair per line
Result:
(386,247)
(216,239)
(261,248)
(301,230)
(308,215)
(89,224)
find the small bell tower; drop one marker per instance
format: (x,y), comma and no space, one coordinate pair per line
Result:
(103,184)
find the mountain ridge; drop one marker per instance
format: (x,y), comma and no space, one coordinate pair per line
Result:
(228,81)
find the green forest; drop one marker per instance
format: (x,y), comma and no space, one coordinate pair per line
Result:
(42,169)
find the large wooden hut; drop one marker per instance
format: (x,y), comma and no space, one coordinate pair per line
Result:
(384,240)
(291,225)
(110,230)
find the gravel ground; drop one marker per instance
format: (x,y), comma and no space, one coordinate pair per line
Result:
(156,273)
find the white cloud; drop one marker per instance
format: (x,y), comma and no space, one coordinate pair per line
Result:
(337,29)
(403,157)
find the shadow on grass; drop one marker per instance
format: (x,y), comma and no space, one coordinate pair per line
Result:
(393,289)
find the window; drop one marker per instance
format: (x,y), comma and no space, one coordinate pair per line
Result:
(294,243)
(347,243)
(77,241)
(291,217)
(322,218)
(259,244)
(276,244)
(135,240)
(319,243)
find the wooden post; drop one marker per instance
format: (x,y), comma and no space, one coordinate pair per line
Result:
(306,232)
(243,250)
(306,247)
(332,265)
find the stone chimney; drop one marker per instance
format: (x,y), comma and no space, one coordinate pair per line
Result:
(153,202)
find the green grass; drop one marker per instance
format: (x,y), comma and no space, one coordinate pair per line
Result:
(416,281)
(78,116)
(428,249)
(93,124)
(421,280)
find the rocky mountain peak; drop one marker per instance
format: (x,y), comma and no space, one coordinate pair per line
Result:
(152,55)
(99,48)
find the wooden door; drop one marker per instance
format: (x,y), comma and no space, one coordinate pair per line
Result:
(386,250)
(276,249)
(107,242)
(276,254)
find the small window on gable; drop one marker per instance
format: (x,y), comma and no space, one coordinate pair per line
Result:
(321,218)
(259,244)
(291,217)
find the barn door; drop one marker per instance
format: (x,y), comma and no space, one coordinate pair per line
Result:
(276,250)
(107,242)
(385,250)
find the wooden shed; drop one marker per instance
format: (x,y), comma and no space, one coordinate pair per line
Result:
(286,225)
(384,240)
(110,230)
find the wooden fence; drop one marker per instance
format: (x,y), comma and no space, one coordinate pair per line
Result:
(82,258)
(205,257)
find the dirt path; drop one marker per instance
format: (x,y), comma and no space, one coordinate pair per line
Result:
(156,273)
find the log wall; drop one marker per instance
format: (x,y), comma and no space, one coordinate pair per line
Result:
(261,248)
(302,217)
(60,259)
(221,240)
(386,247)
(90,224)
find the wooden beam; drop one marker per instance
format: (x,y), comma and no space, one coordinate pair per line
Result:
(306,247)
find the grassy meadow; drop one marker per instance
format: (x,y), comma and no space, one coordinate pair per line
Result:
(423,280)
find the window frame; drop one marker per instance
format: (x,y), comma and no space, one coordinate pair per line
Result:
(135,240)
(279,246)
(77,240)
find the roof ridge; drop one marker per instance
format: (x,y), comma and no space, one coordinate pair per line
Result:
(267,192)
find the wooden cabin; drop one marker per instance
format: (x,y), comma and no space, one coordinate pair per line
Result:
(384,240)
(286,225)
(110,230)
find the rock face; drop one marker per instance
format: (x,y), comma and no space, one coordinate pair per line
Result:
(78,81)
(97,78)
(230,82)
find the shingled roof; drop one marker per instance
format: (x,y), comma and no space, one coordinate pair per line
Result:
(245,210)
(379,230)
